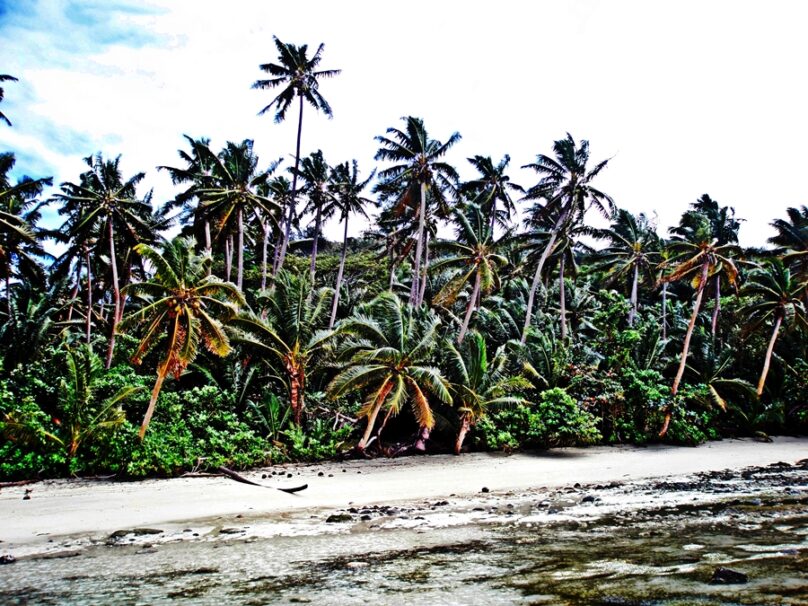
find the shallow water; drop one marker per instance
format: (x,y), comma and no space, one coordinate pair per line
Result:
(659,556)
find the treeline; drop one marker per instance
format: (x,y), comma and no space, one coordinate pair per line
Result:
(250,339)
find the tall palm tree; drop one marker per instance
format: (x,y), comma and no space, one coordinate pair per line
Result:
(347,190)
(184,304)
(298,75)
(477,384)
(776,295)
(419,172)
(5,78)
(699,258)
(565,187)
(232,192)
(492,187)
(280,190)
(315,173)
(20,247)
(292,333)
(792,243)
(388,357)
(109,207)
(473,252)
(632,250)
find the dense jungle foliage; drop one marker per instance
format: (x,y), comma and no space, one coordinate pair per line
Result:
(221,328)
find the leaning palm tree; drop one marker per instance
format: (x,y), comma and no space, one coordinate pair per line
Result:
(347,190)
(699,259)
(108,207)
(298,75)
(566,189)
(291,334)
(474,253)
(419,172)
(184,304)
(388,357)
(477,384)
(632,250)
(5,78)
(776,296)
(492,188)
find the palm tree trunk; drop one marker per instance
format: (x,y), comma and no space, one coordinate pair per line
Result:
(264,246)
(240,276)
(374,413)
(8,293)
(470,308)
(228,257)
(288,228)
(74,293)
(89,295)
(465,425)
(313,264)
(768,359)
(208,245)
(537,277)
(162,371)
(665,310)
(425,269)
(339,274)
(416,270)
(116,292)
(686,347)
(717,307)
(562,294)
(297,387)
(493,216)
(632,314)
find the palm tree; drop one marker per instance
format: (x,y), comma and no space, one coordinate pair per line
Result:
(633,246)
(231,192)
(477,384)
(419,172)
(5,78)
(492,187)
(699,259)
(19,213)
(347,190)
(291,334)
(776,295)
(298,75)
(280,190)
(474,254)
(566,189)
(108,206)
(388,357)
(315,174)
(792,243)
(182,302)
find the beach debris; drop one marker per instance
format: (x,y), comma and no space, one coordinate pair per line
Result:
(239,478)
(7,559)
(727,576)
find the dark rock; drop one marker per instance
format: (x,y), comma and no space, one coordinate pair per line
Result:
(288,475)
(321,474)
(588,499)
(264,476)
(335,518)
(353,510)
(485,489)
(365,517)
(727,576)
(7,559)
(230,531)
(577,484)
(27,497)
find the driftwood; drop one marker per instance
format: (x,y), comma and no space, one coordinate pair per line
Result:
(239,478)
(17,483)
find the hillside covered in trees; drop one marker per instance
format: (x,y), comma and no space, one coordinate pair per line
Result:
(150,337)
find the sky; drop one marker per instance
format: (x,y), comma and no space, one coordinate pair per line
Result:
(686,97)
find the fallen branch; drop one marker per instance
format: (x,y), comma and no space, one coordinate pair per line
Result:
(17,483)
(239,478)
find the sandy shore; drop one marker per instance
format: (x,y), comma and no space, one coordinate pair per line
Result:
(66,512)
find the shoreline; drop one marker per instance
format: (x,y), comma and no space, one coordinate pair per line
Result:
(70,514)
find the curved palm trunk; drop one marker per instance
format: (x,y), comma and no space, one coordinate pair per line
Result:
(768,359)
(562,294)
(339,274)
(89,295)
(162,371)
(665,310)
(416,269)
(470,308)
(313,264)
(632,314)
(425,270)
(537,277)
(380,398)
(465,425)
(686,347)
(717,308)
(288,228)
(240,275)
(116,293)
